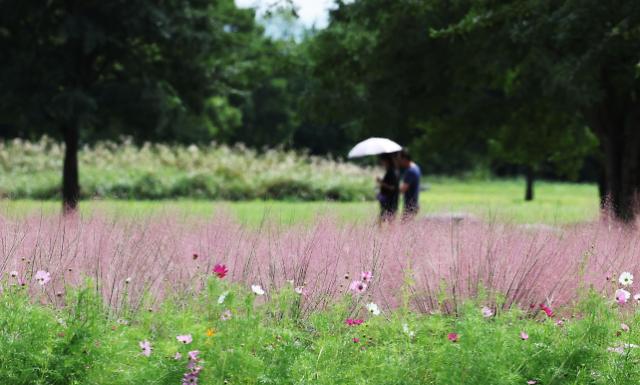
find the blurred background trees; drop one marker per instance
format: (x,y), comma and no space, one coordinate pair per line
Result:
(543,89)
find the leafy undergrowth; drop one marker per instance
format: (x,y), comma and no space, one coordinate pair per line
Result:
(231,334)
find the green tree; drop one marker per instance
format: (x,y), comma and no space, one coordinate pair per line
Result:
(81,67)
(585,56)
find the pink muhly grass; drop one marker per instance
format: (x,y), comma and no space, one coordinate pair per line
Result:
(526,264)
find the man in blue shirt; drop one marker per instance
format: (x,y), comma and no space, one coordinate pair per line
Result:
(410,186)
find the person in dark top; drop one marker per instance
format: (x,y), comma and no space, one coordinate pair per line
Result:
(389,188)
(410,185)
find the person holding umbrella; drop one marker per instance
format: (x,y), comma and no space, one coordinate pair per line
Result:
(389,191)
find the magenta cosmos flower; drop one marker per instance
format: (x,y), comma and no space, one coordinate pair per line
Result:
(453,337)
(146,348)
(358,287)
(185,339)
(220,270)
(546,309)
(353,322)
(42,277)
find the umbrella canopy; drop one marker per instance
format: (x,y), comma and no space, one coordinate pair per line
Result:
(374,146)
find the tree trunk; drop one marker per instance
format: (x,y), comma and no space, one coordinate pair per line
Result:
(603,192)
(530,177)
(617,125)
(70,182)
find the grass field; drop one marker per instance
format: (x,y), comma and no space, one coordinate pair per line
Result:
(555,203)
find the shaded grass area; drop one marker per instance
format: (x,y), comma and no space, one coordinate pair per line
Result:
(555,203)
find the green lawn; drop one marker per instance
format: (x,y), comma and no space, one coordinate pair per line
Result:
(555,203)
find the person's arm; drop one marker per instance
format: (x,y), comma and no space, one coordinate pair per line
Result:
(404,187)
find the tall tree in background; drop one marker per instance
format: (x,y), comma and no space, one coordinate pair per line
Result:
(585,56)
(76,66)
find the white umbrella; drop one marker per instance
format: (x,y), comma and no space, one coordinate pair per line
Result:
(374,146)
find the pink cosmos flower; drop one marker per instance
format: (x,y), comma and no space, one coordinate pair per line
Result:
(622,296)
(42,277)
(185,339)
(353,322)
(524,336)
(532,382)
(547,310)
(14,274)
(146,348)
(624,327)
(487,312)
(560,323)
(178,356)
(453,337)
(366,276)
(358,287)
(226,315)
(220,270)
(356,340)
(193,355)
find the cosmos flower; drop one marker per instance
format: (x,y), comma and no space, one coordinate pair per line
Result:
(366,276)
(453,337)
(547,310)
(407,331)
(356,340)
(524,336)
(624,327)
(299,290)
(222,297)
(487,312)
(42,277)
(353,322)
(622,296)
(226,315)
(13,274)
(220,270)
(626,279)
(185,339)
(257,290)
(373,308)
(146,348)
(358,287)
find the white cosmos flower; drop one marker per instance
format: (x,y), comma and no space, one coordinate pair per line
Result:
(626,279)
(257,289)
(637,297)
(407,331)
(222,297)
(373,308)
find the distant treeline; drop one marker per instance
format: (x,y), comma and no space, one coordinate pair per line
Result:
(541,88)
